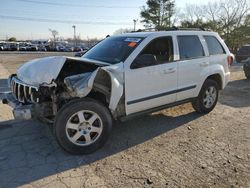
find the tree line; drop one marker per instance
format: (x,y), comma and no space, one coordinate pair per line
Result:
(230,18)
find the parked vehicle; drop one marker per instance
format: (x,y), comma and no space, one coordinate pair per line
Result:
(68,49)
(246,68)
(60,48)
(13,47)
(120,78)
(22,48)
(33,48)
(42,48)
(3,46)
(81,53)
(243,53)
(77,49)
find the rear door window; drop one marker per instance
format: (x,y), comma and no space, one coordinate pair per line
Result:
(214,46)
(190,47)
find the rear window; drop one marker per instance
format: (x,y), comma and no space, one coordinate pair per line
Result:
(190,47)
(214,46)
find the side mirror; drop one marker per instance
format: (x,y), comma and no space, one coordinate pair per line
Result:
(144,60)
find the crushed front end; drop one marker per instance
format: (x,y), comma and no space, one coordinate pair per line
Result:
(28,101)
(41,87)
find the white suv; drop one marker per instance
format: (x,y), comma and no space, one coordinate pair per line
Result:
(119,78)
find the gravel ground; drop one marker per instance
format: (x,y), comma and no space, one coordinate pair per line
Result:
(172,148)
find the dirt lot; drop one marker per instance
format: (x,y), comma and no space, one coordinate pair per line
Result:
(171,148)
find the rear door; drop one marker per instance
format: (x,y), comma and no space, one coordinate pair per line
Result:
(191,65)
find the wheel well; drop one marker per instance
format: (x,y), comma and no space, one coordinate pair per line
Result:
(99,97)
(217,78)
(101,90)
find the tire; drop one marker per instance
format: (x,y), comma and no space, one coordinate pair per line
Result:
(205,106)
(82,126)
(246,68)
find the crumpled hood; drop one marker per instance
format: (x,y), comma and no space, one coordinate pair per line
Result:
(45,70)
(39,71)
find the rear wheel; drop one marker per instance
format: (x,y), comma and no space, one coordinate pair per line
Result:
(208,97)
(83,126)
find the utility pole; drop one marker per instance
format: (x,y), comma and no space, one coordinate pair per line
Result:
(74,27)
(134,24)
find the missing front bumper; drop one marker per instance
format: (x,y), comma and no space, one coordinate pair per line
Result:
(27,111)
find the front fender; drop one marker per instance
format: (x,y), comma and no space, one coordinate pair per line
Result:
(81,85)
(116,76)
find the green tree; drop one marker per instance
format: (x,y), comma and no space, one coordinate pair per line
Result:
(158,14)
(230,18)
(12,39)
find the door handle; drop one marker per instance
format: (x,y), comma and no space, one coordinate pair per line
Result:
(169,70)
(204,64)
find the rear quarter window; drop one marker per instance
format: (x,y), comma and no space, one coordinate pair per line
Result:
(214,46)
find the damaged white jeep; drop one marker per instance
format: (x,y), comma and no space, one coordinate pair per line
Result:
(119,78)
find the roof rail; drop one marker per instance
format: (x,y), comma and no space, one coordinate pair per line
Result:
(185,29)
(174,28)
(142,30)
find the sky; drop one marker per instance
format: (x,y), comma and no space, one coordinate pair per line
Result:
(32,19)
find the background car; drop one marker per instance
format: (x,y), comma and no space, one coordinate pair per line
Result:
(68,49)
(243,53)
(22,48)
(77,49)
(246,68)
(60,48)
(80,54)
(42,48)
(13,47)
(33,48)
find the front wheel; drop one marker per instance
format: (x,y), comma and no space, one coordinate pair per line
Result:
(207,98)
(83,126)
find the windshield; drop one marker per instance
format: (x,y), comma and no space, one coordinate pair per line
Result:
(113,49)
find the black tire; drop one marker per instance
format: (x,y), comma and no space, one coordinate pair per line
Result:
(198,103)
(246,68)
(66,113)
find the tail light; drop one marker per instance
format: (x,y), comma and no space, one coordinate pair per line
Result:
(229,60)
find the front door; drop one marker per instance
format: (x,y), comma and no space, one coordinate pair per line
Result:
(152,85)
